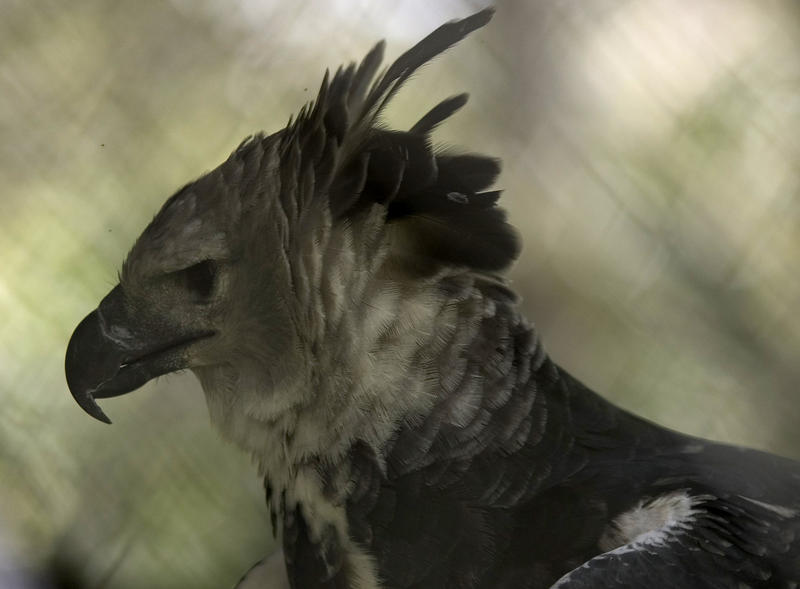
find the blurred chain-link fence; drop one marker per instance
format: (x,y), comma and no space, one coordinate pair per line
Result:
(652,164)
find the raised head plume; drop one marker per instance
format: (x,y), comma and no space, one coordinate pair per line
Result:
(436,199)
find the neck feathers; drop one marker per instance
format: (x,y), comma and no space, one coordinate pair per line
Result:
(382,350)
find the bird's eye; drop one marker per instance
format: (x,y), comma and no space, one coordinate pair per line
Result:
(200,278)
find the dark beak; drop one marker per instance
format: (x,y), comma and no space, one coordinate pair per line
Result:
(111,353)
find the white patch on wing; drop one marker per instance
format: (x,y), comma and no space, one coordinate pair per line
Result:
(651,524)
(651,521)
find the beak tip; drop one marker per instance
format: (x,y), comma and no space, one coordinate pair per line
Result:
(88,404)
(102,417)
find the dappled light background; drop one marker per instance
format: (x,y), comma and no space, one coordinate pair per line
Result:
(651,163)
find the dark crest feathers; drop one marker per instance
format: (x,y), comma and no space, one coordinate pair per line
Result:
(440,197)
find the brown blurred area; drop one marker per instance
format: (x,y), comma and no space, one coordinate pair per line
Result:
(651,156)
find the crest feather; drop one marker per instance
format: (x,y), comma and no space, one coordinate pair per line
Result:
(439,197)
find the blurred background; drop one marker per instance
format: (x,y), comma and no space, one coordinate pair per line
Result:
(651,151)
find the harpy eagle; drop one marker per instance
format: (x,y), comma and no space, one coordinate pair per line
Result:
(337,289)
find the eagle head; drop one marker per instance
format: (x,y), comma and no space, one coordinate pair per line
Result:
(291,272)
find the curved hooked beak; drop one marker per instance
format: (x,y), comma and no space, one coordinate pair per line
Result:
(110,354)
